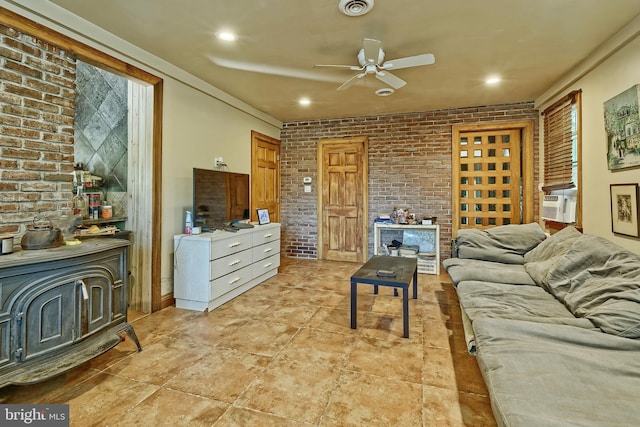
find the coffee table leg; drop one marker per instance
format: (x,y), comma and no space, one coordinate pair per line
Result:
(405,311)
(415,284)
(354,304)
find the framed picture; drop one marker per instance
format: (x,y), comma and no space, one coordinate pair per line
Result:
(622,125)
(263,216)
(624,209)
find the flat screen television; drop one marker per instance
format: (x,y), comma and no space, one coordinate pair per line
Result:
(219,197)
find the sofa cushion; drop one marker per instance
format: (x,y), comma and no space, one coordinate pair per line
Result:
(505,243)
(599,280)
(506,301)
(556,375)
(460,269)
(539,260)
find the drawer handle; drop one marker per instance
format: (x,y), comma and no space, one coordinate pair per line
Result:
(234,262)
(268,250)
(266,236)
(233,245)
(268,264)
(234,280)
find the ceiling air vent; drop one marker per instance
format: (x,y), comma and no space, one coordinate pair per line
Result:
(355,7)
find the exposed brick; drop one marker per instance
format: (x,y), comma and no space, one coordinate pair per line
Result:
(20,175)
(40,166)
(10,54)
(43,86)
(8,186)
(10,76)
(40,125)
(22,91)
(15,44)
(20,154)
(9,207)
(409,165)
(38,186)
(15,110)
(9,120)
(41,106)
(23,69)
(8,164)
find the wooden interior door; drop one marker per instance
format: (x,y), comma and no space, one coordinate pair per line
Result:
(265,176)
(489,187)
(342,199)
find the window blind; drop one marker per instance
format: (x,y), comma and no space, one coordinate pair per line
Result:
(559,143)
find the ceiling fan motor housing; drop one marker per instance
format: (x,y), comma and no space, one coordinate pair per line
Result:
(355,7)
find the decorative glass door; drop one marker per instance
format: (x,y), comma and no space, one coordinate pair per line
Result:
(487,178)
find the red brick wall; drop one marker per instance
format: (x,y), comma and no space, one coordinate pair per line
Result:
(37,102)
(409,165)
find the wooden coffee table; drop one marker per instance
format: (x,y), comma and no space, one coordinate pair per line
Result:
(404,268)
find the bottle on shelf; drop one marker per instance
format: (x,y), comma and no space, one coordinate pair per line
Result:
(80,205)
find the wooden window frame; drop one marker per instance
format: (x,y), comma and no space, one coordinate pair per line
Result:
(562,148)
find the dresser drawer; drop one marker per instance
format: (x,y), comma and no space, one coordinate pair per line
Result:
(229,263)
(265,236)
(224,284)
(265,265)
(266,250)
(236,243)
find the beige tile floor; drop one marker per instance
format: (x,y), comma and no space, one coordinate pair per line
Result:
(283,354)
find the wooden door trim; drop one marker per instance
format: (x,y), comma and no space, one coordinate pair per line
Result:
(526,154)
(110,63)
(255,137)
(365,189)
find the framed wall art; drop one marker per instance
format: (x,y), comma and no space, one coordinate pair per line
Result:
(263,216)
(624,209)
(622,125)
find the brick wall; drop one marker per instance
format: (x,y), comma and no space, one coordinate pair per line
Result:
(37,102)
(409,165)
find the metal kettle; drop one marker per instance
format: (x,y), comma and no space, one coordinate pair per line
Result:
(42,235)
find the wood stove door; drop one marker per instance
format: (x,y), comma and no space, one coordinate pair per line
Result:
(63,312)
(49,320)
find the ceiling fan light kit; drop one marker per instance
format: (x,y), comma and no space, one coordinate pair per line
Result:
(355,7)
(385,91)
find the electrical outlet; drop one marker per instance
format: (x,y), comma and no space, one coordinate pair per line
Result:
(219,161)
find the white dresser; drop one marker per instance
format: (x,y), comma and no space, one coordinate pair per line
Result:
(213,268)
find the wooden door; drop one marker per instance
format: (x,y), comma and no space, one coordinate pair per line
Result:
(265,176)
(342,199)
(489,186)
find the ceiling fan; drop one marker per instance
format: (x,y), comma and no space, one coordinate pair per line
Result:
(371,60)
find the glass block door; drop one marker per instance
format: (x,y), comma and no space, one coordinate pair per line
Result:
(486,181)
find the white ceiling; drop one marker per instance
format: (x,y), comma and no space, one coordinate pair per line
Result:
(530,43)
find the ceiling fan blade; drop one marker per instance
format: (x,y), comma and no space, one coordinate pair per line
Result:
(350,67)
(273,70)
(351,81)
(372,51)
(410,61)
(393,81)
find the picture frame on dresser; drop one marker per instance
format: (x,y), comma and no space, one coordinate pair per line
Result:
(624,210)
(263,216)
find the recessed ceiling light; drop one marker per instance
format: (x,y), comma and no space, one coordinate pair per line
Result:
(304,102)
(226,36)
(493,80)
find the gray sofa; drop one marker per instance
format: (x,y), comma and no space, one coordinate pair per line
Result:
(554,323)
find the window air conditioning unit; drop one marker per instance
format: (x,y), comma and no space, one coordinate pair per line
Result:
(559,208)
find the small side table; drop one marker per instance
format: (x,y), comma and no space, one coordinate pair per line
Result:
(404,268)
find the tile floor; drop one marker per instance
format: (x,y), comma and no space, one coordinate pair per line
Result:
(283,354)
